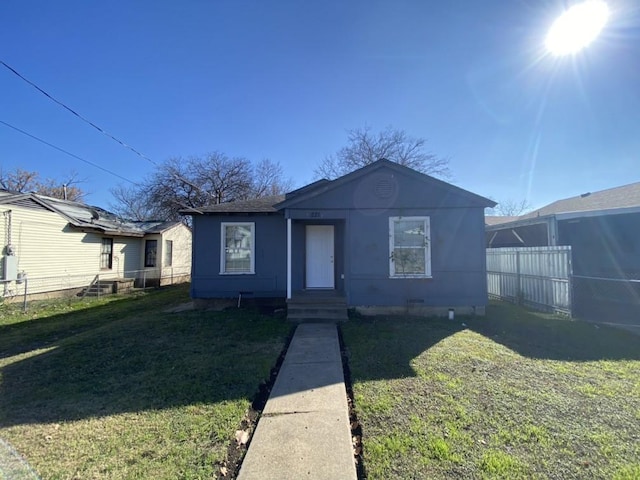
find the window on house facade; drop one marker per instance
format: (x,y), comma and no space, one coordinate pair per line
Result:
(168,253)
(409,247)
(106,254)
(150,253)
(237,254)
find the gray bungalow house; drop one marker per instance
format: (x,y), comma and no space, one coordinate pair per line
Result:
(382,239)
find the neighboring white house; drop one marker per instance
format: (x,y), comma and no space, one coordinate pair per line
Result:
(62,245)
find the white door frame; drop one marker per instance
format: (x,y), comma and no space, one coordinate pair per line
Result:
(319,256)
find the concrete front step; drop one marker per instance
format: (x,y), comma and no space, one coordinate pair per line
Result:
(317,319)
(317,306)
(101,291)
(108,287)
(319,313)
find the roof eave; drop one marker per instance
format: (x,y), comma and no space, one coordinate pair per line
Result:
(324,187)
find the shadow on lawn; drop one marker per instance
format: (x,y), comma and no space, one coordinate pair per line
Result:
(544,336)
(128,356)
(28,335)
(112,362)
(386,347)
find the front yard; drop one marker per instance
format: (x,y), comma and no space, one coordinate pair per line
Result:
(116,388)
(513,395)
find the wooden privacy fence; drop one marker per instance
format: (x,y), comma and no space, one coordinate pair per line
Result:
(538,277)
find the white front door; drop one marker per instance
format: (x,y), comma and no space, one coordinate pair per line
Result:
(319,255)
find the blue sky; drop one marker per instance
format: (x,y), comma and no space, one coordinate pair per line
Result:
(285,79)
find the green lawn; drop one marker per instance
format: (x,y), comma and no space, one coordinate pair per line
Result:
(515,394)
(115,388)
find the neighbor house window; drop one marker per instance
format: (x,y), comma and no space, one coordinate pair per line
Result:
(168,253)
(150,253)
(238,248)
(106,254)
(409,247)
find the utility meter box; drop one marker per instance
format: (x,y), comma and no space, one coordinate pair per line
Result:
(10,268)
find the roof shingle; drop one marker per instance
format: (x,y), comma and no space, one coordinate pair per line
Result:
(255,205)
(618,197)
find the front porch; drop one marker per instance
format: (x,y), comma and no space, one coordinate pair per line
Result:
(315,256)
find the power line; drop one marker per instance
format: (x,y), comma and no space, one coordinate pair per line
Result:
(50,97)
(129,147)
(68,153)
(86,120)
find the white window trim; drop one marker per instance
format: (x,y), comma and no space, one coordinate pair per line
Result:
(252,227)
(427,254)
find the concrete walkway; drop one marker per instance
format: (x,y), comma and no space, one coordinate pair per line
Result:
(304,430)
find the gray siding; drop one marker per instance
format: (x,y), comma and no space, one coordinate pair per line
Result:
(360,210)
(270,278)
(603,246)
(457,256)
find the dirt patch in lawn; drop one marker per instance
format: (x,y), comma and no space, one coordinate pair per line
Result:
(355,425)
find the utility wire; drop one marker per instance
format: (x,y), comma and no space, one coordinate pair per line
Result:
(182,204)
(68,153)
(101,130)
(129,147)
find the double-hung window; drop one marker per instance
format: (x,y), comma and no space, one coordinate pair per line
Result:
(237,254)
(106,254)
(150,253)
(409,247)
(168,253)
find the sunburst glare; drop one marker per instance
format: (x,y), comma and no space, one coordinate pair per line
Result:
(577,27)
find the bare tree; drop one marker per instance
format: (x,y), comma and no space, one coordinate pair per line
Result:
(224,179)
(511,208)
(67,189)
(24,181)
(19,180)
(268,179)
(365,147)
(131,203)
(194,182)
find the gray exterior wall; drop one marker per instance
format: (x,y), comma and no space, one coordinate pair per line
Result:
(360,210)
(603,246)
(270,278)
(362,241)
(458,261)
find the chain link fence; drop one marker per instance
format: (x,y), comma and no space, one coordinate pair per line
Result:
(77,287)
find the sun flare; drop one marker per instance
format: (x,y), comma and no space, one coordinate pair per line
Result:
(577,27)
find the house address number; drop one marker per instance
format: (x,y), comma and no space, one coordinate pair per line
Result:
(314,214)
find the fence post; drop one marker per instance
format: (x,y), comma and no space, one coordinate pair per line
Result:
(144,279)
(570,281)
(519,296)
(24,303)
(99,286)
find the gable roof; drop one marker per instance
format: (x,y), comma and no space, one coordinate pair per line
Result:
(85,217)
(498,219)
(321,187)
(618,197)
(255,205)
(612,200)
(275,203)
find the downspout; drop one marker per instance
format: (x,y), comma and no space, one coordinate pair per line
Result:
(288,258)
